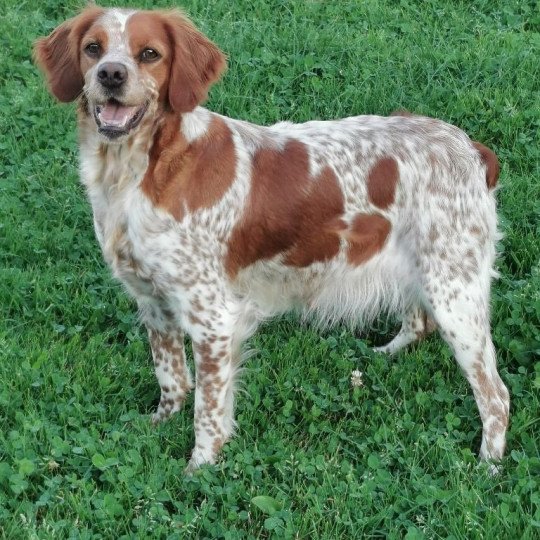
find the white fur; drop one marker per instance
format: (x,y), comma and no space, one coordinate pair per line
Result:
(121,16)
(195,123)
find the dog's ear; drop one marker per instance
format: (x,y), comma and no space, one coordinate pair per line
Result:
(58,55)
(196,64)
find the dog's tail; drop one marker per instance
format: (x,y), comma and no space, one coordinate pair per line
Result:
(491,162)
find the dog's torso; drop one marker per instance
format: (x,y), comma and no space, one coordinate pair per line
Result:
(313,267)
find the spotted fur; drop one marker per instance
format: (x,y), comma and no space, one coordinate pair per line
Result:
(215,224)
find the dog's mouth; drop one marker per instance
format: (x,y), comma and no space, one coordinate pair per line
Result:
(114,119)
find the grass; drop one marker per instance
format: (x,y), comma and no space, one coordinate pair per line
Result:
(314,457)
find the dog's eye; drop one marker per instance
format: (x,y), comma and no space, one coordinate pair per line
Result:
(93,49)
(148,55)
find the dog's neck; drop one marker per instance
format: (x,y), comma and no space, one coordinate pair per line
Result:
(161,139)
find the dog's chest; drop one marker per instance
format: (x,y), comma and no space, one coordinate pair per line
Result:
(129,256)
(133,237)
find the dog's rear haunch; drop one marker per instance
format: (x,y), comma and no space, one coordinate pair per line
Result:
(215,224)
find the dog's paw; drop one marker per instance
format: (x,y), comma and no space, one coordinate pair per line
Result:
(157,418)
(198,460)
(492,468)
(166,408)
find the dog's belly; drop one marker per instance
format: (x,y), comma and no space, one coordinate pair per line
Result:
(330,291)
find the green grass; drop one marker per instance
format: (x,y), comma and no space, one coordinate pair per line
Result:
(394,458)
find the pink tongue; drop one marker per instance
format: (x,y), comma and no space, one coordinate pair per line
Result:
(116,114)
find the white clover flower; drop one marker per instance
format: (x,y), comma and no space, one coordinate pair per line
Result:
(356,378)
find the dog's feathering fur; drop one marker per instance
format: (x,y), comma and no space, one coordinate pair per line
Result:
(215,224)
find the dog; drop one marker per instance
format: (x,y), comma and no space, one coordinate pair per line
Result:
(214,224)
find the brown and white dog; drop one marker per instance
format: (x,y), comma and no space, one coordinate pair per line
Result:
(215,224)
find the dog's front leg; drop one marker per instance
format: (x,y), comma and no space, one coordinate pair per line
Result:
(214,401)
(215,350)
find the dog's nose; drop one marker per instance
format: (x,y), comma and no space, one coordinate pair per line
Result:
(112,74)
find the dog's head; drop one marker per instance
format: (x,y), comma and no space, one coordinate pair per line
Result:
(129,65)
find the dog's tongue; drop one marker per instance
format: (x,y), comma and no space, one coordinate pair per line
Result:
(115,114)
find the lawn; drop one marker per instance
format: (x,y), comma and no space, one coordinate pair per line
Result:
(314,457)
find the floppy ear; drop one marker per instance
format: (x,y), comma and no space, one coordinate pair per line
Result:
(58,55)
(196,64)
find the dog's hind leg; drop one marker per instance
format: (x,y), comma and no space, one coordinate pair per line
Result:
(461,311)
(171,371)
(415,325)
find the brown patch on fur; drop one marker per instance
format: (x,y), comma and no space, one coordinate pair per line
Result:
(288,212)
(489,158)
(195,175)
(217,444)
(207,364)
(58,55)
(319,225)
(193,319)
(366,237)
(381,182)
(103,148)
(427,327)
(268,227)
(95,34)
(485,386)
(147,30)
(433,233)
